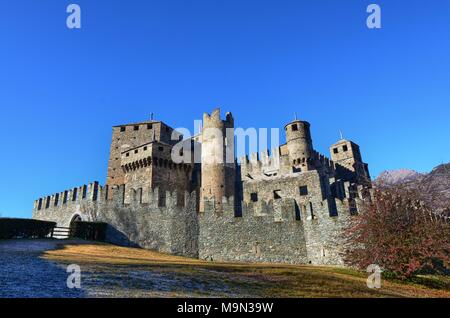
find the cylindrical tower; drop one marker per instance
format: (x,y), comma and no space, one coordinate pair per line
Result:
(218,166)
(299,143)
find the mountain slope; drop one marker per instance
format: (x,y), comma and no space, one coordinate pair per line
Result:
(435,186)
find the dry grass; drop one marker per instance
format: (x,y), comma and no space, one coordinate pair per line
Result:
(258,280)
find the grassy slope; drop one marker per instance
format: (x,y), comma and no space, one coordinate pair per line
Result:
(261,280)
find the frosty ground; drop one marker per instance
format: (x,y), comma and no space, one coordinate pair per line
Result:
(37,268)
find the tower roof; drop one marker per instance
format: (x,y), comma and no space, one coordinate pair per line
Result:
(140,123)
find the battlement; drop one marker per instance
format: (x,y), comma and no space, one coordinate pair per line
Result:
(215,121)
(324,161)
(120,195)
(283,210)
(88,193)
(262,163)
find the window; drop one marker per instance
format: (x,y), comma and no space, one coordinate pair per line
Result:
(128,154)
(181,152)
(335,150)
(145,148)
(277,194)
(295,169)
(254,197)
(136,127)
(122,129)
(136,151)
(160,148)
(304,190)
(297,212)
(345,148)
(149,126)
(294,127)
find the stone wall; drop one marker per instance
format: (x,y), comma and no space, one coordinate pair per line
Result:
(171,228)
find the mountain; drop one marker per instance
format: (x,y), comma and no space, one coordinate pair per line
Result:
(434,186)
(400,176)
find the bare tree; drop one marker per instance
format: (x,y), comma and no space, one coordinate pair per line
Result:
(400,233)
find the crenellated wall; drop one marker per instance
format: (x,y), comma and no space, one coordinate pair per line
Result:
(268,230)
(273,231)
(166,223)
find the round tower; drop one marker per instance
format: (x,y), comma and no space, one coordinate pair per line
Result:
(218,166)
(299,143)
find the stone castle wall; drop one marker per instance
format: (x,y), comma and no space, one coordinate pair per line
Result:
(266,231)
(169,226)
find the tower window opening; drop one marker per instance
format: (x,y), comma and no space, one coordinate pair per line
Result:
(122,129)
(294,127)
(136,127)
(149,126)
(277,194)
(254,197)
(160,148)
(335,150)
(145,148)
(128,154)
(136,151)
(304,190)
(345,148)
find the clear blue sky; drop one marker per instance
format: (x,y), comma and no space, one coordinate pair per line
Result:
(61,90)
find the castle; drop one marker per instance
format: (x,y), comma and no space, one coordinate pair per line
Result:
(290,206)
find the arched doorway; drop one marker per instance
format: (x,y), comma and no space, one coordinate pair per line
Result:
(75,218)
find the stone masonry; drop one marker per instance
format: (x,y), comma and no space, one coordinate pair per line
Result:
(289,206)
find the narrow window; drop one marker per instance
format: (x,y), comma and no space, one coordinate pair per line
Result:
(149,126)
(335,150)
(254,197)
(136,151)
(345,148)
(297,212)
(40,204)
(85,191)
(160,148)
(136,127)
(181,152)
(122,129)
(56,199)
(47,203)
(145,148)
(294,127)
(304,190)
(277,194)
(74,194)
(312,211)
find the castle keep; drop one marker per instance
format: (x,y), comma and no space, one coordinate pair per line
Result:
(189,196)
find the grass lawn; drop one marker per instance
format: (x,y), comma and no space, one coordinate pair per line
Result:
(254,280)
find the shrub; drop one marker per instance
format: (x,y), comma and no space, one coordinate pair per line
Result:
(25,228)
(93,231)
(400,234)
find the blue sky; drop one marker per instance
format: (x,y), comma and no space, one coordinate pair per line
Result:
(61,90)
